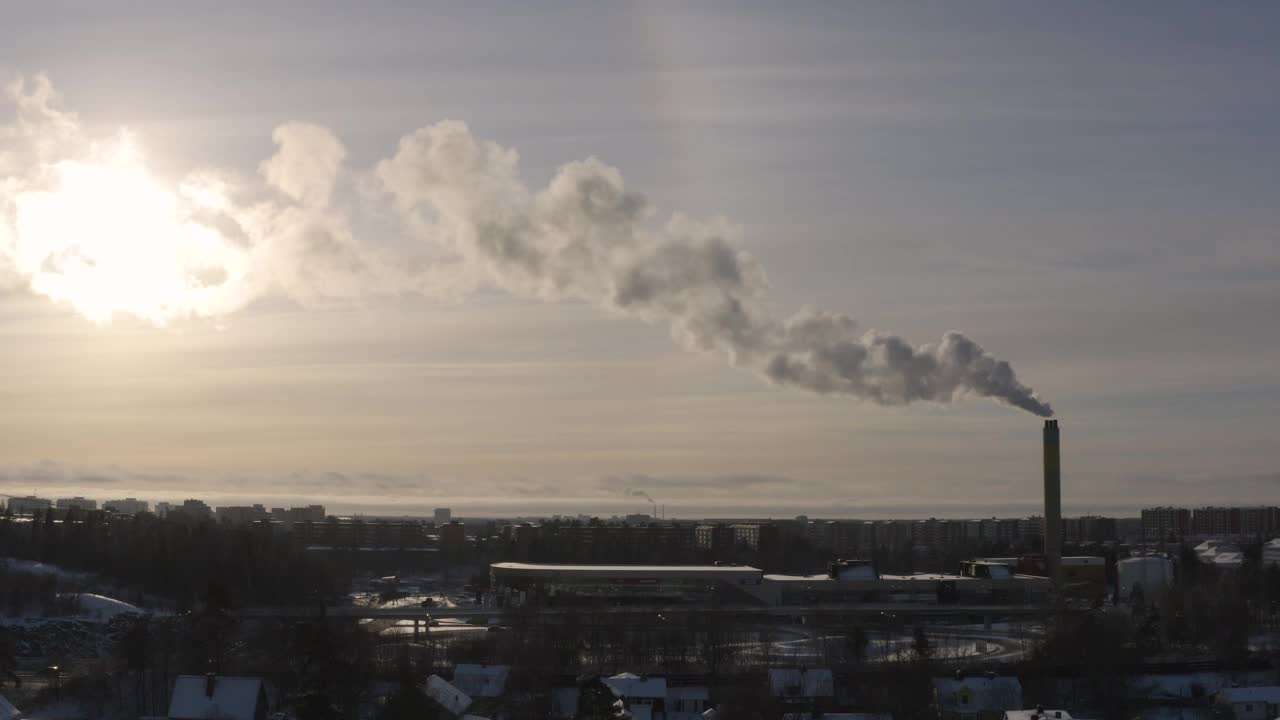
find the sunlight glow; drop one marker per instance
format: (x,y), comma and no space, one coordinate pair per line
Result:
(108,238)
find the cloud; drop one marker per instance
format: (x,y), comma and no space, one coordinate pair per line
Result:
(84,222)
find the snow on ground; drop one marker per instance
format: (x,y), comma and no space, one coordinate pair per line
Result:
(103,608)
(65,710)
(31,567)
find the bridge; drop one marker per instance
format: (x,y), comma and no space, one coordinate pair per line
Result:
(865,610)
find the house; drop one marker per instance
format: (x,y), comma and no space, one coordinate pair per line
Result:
(479,681)
(447,696)
(1251,703)
(216,697)
(1037,714)
(564,703)
(1271,553)
(7,710)
(644,697)
(791,684)
(687,702)
(983,697)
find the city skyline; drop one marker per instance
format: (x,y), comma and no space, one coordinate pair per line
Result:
(1098,213)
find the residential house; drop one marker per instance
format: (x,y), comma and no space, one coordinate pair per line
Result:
(481,681)
(447,695)
(216,697)
(8,711)
(1251,703)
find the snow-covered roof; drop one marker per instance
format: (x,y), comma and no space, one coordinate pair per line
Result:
(1268,694)
(790,682)
(448,696)
(100,607)
(630,685)
(7,710)
(799,578)
(1037,715)
(234,698)
(1232,559)
(481,680)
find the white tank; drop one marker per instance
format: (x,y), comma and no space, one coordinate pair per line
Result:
(1154,574)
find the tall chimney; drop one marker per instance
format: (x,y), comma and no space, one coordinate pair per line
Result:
(1053,503)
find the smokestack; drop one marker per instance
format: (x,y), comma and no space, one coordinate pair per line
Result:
(1053,502)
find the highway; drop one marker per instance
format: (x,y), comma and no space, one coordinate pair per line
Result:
(885,610)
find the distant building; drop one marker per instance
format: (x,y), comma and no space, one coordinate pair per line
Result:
(357,532)
(1031,529)
(29,505)
(1215,521)
(201,697)
(1000,531)
(77,502)
(163,509)
(1260,521)
(1089,528)
(442,516)
(127,506)
(287,518)
(241,514)
(1165,524)
(746,535)
(453,535)
(638,519)
(196,509)
(715,538)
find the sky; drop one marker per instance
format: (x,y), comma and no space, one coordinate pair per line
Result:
(446,270)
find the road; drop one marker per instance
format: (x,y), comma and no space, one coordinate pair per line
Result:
(894,610)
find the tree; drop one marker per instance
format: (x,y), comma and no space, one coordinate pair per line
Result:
(8,658)
(408,702)
(316,706)
(595,700)
(921,649)
(856,642)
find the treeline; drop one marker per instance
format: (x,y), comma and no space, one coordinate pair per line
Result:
(183,561)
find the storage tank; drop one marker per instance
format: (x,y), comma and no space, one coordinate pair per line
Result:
(1154,574)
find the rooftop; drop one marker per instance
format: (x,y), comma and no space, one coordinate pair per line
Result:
(232,697)
(1268,694)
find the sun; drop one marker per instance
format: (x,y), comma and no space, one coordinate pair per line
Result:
(106,237)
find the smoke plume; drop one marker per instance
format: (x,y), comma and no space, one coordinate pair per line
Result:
(215,243)
(635,492)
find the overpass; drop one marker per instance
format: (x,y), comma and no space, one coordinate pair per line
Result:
(864,610)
